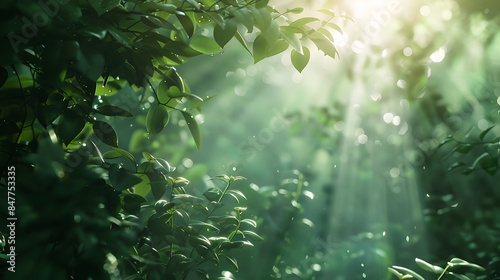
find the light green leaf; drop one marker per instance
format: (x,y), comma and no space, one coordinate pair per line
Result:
(300,61)
(222,35)
(335,26)
(429,267)
(194,128)
(260,46)
(117,152)
(327,12)
(157,118)
(204,44)
(408,271)
(242,41)
(395,272)
(277,48)
(303,21)
(291,38)
(295,10)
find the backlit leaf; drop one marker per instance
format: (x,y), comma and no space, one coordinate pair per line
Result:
(194,128)
(157,118)
(104,132)
(300,61)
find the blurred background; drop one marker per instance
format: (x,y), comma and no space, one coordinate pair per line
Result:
(345,172)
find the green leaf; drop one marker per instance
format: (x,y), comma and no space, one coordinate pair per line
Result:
(324,45)
(456,165)
(277,48)
(157,118)
(204,44)
(223,34)
(327,12)
(103,6)
(300,61)
(158,183)
(117,152)
(194,128)
(429,267)
(272,33)
(459,262)
(194,4)
(459,276)
(132,203)
(303,21)
(335,27)
(395,272)
(152,6)
(483,133)
(121,178)
(252,235)
(243,16)
(70,125)
(260,46)
(232,261)
(203,224)
(186,23)
(408,271)
(110,110)
(105,133)
(295,10)
(242,41)
(291,38)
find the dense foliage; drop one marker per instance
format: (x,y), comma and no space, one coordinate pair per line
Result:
(87,207)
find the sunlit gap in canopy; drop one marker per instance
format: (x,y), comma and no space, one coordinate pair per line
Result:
(376,214)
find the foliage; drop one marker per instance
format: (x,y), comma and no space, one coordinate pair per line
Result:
(454,264)
(73,69)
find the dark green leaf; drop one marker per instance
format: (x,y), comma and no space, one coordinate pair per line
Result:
(70,125)
(158,183)
(459,276)
(121,178)
(157,118)
(104,132)
(222,35)
(110,110)
(193,127)
(187,23)
(300,61)
(3,76)
(232,261)
(132,203)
